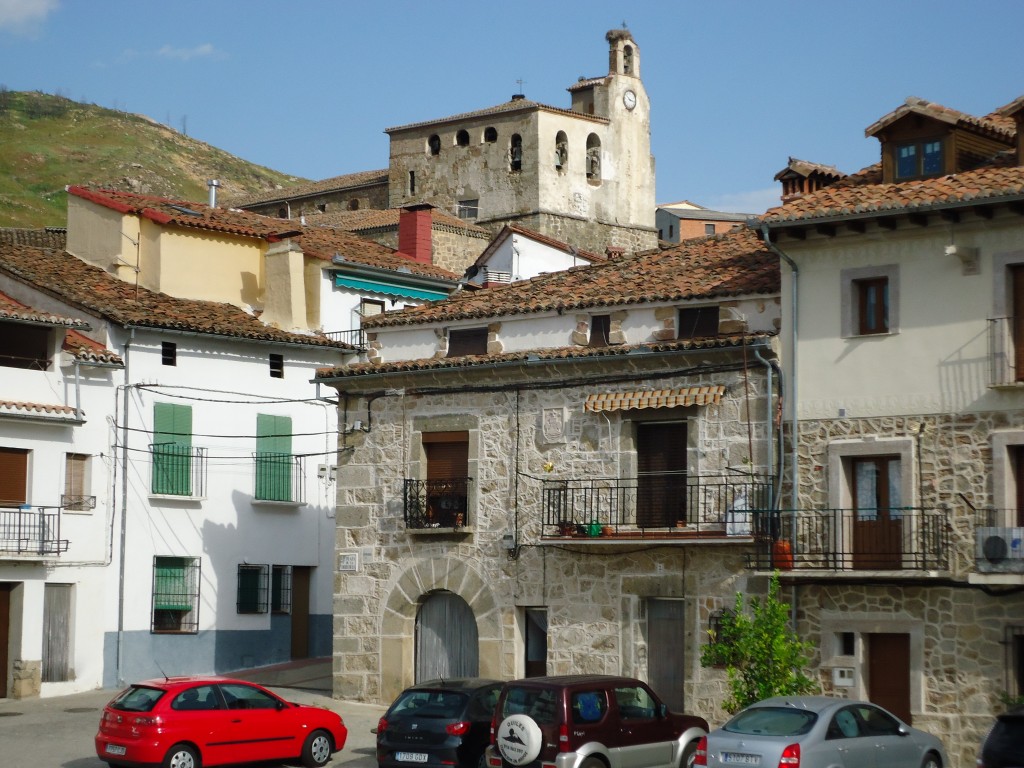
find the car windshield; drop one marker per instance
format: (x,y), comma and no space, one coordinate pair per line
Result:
(137,699)
(441,704)
(538,703)
(772,721)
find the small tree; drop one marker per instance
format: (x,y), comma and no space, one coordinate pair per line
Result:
(761,653)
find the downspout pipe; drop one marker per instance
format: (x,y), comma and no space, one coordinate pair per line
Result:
(794,315)
(124,510)
(770,459)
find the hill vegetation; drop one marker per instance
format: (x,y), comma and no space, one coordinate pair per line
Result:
(48,142)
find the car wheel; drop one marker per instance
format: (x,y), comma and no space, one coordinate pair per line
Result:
(482,762)
(181,756)
(931,760)
(593,762)
(688,756)
(317,749)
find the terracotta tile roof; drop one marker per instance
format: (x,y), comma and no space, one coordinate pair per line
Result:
(12,309)
(49,237)
(994,125)
(516,105)
(323,243)
(1012,108)
(88,287)
(57,412)
(309,189)
(806,168)
(85,350)
(553,354)
(637,400)
(587,82)
(983,184)
(732,264)
(185,213)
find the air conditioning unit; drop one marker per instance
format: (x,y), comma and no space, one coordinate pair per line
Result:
(1000,550)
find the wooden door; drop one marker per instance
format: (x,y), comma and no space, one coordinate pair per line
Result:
(56,633)
(666,627)
(300,612)
(1017,320)
(447,642)
(5,634)
(877,515)
(889,673)
(661,474)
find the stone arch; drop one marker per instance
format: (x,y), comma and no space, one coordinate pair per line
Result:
(398,620)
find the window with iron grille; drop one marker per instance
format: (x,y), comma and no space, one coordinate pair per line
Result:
(281,589)
(252,589)
(1013,641)
(274,460)
(172,449)
(175,595)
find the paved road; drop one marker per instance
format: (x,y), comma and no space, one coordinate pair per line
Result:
(58,732)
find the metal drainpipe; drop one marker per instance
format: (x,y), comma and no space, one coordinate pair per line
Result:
(768,413)
(794,304)
(124,514)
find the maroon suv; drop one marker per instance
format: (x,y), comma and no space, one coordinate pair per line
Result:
(589,721)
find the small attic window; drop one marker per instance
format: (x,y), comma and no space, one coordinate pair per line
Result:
(434,145)
(490,134)
(467,341)
(322,207)
(168,353)
(276,366)
(600,330)
(917,159)
(462,138)
(353,205)
(697,322)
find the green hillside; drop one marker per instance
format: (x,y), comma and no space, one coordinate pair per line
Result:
(48,142)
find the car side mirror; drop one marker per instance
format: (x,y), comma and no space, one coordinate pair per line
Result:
(903,730)
(662,711)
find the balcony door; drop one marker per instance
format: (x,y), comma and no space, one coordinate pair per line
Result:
(447,470)
(661,474)
(877,515)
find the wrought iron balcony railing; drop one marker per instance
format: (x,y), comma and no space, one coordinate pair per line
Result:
(893,539)
(656,503)
(1005,345)
(356,337)
(437,503)
(77,502)
(279,477)
(178,470)
(31,531)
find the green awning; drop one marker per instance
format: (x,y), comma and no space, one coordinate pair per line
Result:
(389,289)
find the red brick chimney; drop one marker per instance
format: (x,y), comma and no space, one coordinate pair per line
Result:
(414,231)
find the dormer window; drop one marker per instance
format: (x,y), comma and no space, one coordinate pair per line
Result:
(918,159)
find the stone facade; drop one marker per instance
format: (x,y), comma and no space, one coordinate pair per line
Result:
(451,248)
(524,434)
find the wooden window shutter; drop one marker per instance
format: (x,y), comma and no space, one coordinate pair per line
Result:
(273,457)
(447,455)
(172,449)
(13,477)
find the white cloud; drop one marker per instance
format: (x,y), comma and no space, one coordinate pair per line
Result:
(25,16)
(756,201)
(204,51)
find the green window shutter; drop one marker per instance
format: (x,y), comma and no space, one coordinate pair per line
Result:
(273,457)
(170,587)
(172,449)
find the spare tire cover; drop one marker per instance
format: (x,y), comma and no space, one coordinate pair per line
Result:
(519,739)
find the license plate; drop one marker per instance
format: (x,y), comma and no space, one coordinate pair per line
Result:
(115,749)
(739,758)
(411,757)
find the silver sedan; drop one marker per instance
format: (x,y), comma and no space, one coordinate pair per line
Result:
(818,732)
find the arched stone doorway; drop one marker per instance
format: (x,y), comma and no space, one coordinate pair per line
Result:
(447,642)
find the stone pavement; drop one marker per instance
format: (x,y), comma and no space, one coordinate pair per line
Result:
(57,732)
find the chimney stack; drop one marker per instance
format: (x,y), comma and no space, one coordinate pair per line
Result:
(414,232)
(213,184)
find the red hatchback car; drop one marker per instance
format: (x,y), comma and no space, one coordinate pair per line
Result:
(189,722)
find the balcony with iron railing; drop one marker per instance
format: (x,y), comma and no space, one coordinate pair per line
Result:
(895,539)
(31,532)
(671,505)
(437,505)
(355,337)
(279,478)
(1005,344)
(178,471)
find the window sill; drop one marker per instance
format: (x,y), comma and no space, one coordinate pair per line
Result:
(175,497)
(439,531)
(283,504)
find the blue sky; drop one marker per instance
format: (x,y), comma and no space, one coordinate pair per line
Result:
(307,87)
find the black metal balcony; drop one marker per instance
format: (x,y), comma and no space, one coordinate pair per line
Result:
(895,539)
(178,470)
(31,531)
(1005,345)
(437,503)
(671,503)
(355,337)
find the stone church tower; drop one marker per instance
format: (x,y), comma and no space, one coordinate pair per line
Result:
(583,175)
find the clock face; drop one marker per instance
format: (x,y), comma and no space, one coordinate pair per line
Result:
(629,99)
